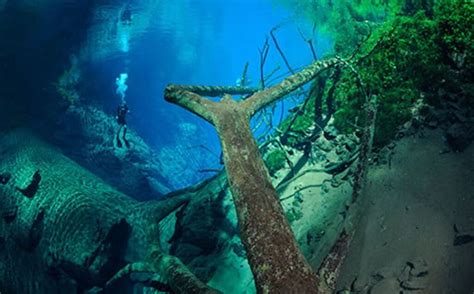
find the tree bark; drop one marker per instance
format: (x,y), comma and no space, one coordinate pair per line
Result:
(335,77)
(318,101)
(274,256)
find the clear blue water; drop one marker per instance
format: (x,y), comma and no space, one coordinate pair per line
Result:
(198,42)
(203,42)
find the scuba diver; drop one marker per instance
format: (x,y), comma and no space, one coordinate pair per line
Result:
(122,111)
(126,16)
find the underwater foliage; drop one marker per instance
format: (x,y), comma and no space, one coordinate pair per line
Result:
(344,21)
(295,212)
(298,127)
(275,161)
(406,59)
(423,50)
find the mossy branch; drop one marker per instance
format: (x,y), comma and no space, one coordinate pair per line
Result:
(169,273)
(264,98)
(190,100)
(216,91)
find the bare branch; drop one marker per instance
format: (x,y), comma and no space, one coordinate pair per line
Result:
(243,79)
(271,73)
(263,57)
(310,43)
(136,267)
(287,157)
(275,41)
(210,170)
(169,274)
(332,265)
(335,77)
(313,51)
(178,276)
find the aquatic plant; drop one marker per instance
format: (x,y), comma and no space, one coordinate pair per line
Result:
(275,161)
(297,129)
(294,213)
(405,59)
(425,54)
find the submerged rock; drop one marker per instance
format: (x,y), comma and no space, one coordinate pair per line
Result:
(386,286)
(330,132)
(459,136)
(414,284)
(86,134)
(418,268)
(324,144)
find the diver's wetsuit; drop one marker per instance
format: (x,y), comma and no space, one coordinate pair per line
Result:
(126,16)
(122,111)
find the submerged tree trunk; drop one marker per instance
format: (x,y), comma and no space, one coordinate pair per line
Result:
(335,77)
(318,101)
(274,256)
(276,261)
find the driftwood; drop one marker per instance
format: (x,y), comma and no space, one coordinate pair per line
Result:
(274,256)
(169,273)
(310,43)
(277,46)
(335,77)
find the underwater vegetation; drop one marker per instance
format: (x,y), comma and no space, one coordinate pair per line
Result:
(408,58)
(275,160)
(281,213)
(417,54)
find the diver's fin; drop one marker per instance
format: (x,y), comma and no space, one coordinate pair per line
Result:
(119,144)
(124,139)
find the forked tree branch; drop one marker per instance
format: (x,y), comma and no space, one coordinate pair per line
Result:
(263,58)
(190,97)
(277,46)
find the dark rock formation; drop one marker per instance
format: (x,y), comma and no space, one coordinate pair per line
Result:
(86,134)
(459,136)
(77,231)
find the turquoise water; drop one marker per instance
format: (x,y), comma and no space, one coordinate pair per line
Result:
(87,45)
(205,42)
